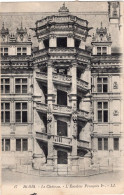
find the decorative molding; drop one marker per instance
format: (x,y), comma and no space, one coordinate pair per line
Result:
(115,113)
(115,85)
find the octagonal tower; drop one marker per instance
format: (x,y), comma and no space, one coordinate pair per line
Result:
(62,93)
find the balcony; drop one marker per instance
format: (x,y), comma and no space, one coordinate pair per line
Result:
(41,76)
(40,56)
(82,85)
(83,144)
(61,79)
(41,136)
(83,115)
(62,141)
(41,107)
(62,53)
(62,110)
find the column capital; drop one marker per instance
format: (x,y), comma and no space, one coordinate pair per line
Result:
(74,63)
(49,63)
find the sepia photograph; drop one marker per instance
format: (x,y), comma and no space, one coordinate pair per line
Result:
(62,98)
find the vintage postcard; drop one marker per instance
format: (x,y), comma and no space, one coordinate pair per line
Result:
(62,98)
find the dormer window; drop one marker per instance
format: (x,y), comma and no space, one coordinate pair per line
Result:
(101,50)
(62,42)
(104,50)
(4,51)
(98,50)
(21,51)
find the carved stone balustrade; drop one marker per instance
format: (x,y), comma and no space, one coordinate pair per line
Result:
(61,79)
(41,136)
(56,53)
(83,144)
(83,85)
(62,50)
(41,107)
(83,114)
(59,109)
(41,76)
(61,140)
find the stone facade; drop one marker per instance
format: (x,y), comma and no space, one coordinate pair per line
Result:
(61,101)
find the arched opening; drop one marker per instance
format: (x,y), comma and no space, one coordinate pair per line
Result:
(62,157)
(61,97)
(61,128)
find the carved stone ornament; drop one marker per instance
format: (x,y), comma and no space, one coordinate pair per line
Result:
(49,117)
(74,117)
(115,113)
(115,85)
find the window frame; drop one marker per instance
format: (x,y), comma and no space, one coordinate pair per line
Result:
(21,145)
(102,110)
(4,144)
(116,149)
(102,83)
(4,110)
(3,52)
(4,84)
(21,84)
(102,147)
(21,110)
(21,52)
(102,50)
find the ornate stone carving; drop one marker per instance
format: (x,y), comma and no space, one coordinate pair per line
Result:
(49,117)
(74,117)
(115,113)
(115,85)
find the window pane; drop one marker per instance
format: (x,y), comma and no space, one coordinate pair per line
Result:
(116,143)
(105,88)
(99,143)
(18,116)
(5,49)
(18,49)
(6,81)
(105,143)
(99,105)
(18,106)
(1,81)
(24,106)
(24,88)
(25,144)
(105,116)
(7,116)
(105,105)
(99,116)
(18,80)
(99,88)
(2,144)
(2,89)
(5,54)
(24,80)
(18,144)
(7,144)
(105,80)
(18,89)
(99,80)
(7,89)
(24,116)
(24,48)
(2,117)
(2,106)
(7,106)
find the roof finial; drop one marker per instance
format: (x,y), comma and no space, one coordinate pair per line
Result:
(101,24)
(63,9)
